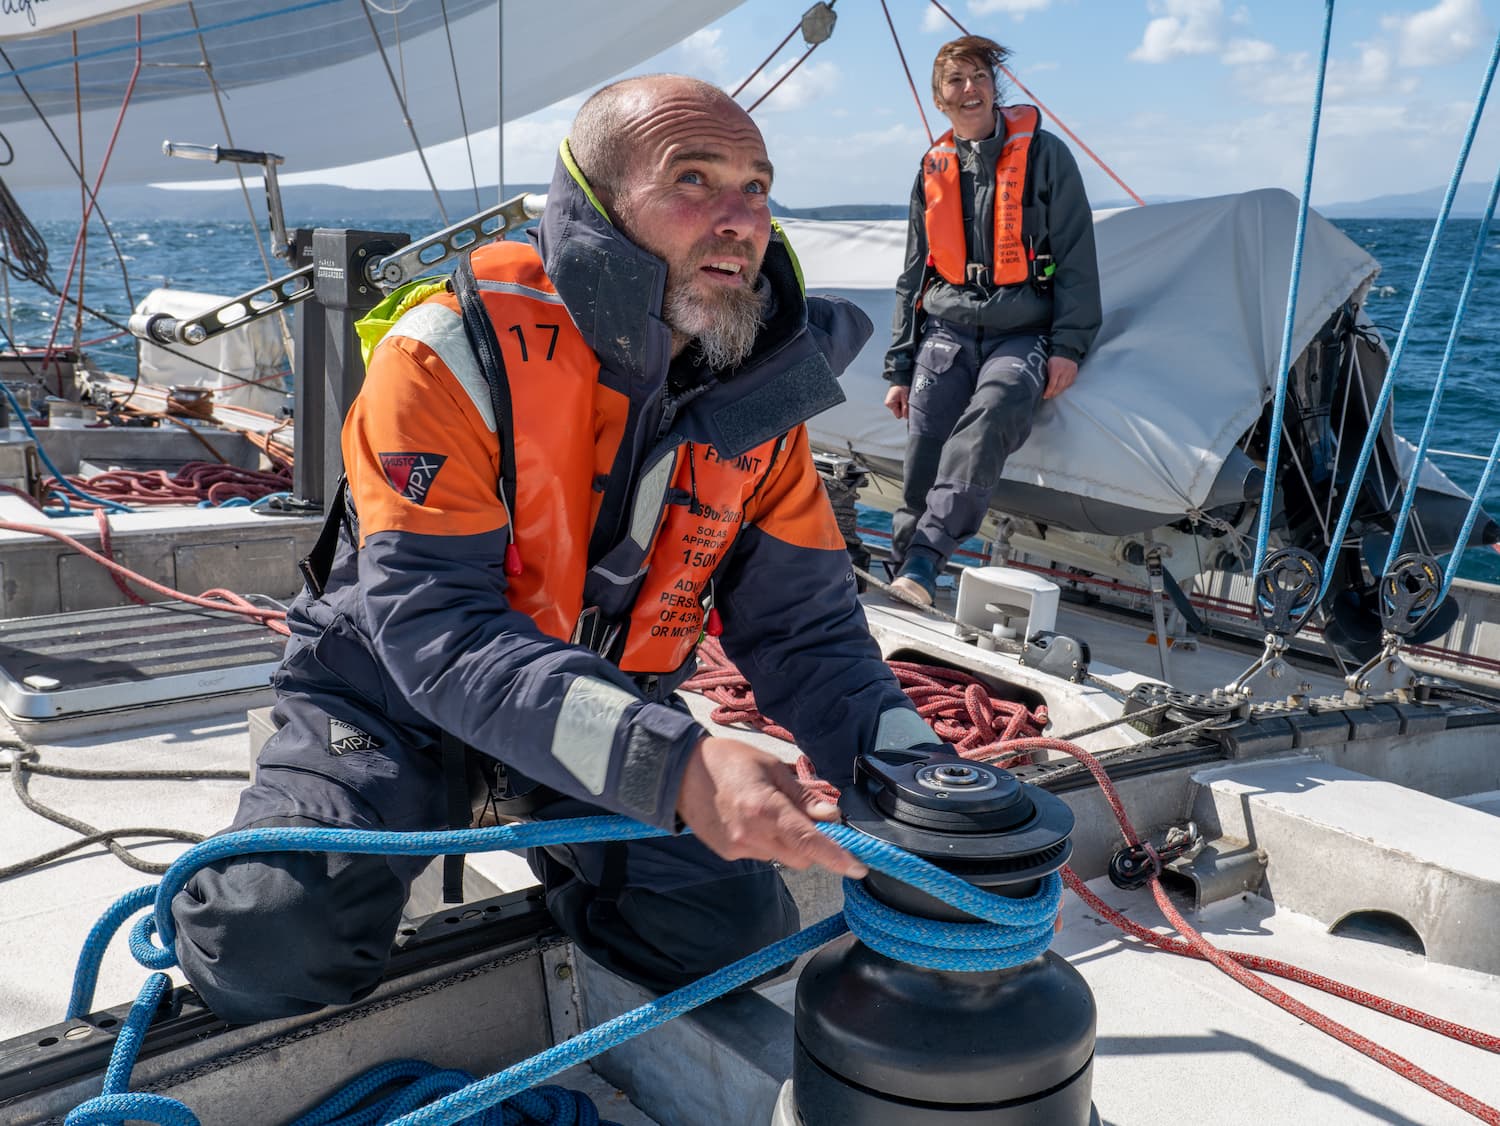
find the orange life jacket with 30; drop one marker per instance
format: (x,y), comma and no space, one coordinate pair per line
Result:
(947,250)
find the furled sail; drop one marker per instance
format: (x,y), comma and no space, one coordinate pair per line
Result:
(301,78)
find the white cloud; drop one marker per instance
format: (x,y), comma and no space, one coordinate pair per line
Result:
(934,22)
(1444,33)
(1184,27)
(704,55)
(811,81)
(1247,52)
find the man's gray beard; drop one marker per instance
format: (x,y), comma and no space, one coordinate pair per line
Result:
(723,327)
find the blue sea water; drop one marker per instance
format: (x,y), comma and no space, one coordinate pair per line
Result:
(219,256)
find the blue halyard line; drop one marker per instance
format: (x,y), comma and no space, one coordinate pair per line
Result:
(1382,401)
(1023,933)
(1283,368)
(494,1089)
(165,37)
(1459,312)
(128,1044)
(47,461)
(1473,514)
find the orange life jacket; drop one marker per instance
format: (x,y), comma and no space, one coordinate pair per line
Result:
(947,250)
(688,508)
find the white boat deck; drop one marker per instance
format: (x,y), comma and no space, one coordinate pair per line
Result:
(1177,1039)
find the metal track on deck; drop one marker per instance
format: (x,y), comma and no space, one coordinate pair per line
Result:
(88,661)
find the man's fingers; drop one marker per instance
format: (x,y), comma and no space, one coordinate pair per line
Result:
(804,845)
(801,845)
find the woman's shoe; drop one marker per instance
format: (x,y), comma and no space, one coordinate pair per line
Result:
(917,582)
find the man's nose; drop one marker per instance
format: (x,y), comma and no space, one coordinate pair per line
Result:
(735,218)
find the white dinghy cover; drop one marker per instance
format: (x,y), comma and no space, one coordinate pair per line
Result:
(1194,310)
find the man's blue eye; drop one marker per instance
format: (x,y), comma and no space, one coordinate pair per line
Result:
(690,178)
(755,187)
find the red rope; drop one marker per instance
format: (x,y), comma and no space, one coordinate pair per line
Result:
(194,482)
(791,70)
(958,707)
(101,517)
(88,209)
(1236,966)
(209,600)
(1010,74)
(896,39)
(765,61)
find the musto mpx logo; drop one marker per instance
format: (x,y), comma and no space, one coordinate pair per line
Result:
(412,475)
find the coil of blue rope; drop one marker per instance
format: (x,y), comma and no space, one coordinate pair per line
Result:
(1013,932)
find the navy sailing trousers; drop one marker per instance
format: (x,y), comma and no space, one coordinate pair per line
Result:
(973,396)
(277,934)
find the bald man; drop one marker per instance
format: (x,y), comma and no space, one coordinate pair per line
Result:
(531,567)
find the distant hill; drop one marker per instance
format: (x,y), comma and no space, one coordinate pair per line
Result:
(1468,203)
(325,203)
(303,203)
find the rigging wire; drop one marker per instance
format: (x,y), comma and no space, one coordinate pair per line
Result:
(1283,367)
(896,39)
(260,244)
(1072,136)
(83,201)
(67,156)
(405,116)
(791,70)
(165,37)
(1481,239)
(83,223)
(463,118)
(764,62)
(1388,386)
(812,46)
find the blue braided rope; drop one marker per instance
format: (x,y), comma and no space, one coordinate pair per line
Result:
(1459,312)
(502,1085)
(92,954)
(1382,401)
(1020,930)
(1283,368)
(1475,504)
(111,1110)
(962,947)
(132,1034)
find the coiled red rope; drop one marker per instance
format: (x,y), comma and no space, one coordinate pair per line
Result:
(959,708)
(956,704)
(195,482)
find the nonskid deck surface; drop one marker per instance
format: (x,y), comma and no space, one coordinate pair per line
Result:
(1177,1039)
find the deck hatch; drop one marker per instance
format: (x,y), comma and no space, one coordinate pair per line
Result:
(88,661)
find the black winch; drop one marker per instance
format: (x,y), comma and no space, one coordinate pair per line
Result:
(884,1043)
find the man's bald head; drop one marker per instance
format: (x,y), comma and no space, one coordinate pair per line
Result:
(611,127)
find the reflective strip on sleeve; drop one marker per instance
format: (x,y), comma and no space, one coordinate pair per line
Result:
(442,330)
(585,730)
(900,728)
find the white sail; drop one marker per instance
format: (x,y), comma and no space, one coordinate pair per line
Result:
(303,80)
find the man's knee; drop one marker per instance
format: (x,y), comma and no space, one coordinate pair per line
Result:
(286,933)
(705,927)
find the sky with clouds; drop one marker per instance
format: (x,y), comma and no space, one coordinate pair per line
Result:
(1179,97)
